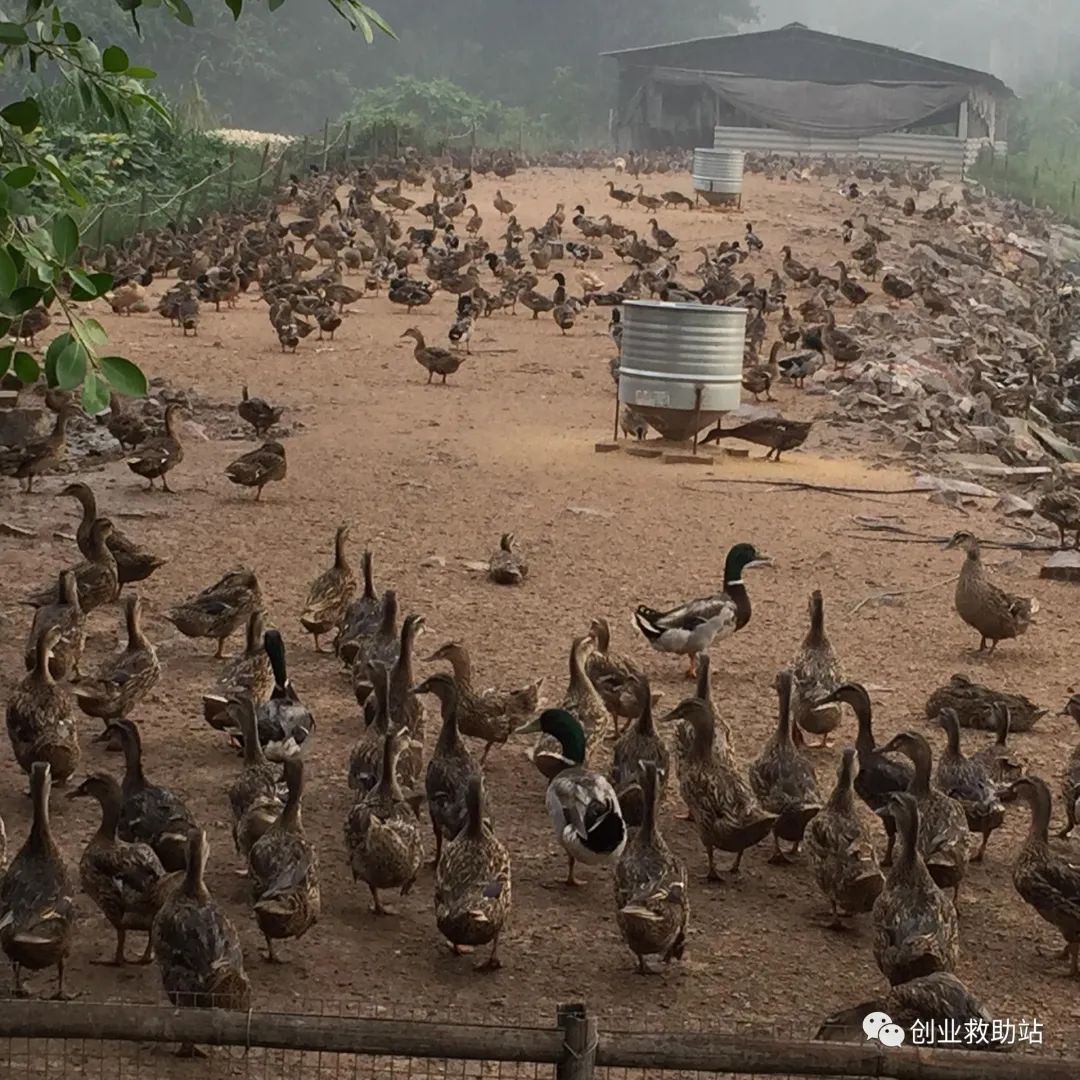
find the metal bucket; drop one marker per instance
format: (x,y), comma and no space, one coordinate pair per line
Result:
(718,175)
(681,364)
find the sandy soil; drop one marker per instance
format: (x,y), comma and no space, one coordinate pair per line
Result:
(424,471)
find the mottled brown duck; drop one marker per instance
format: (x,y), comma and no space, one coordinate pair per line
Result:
(67,615)
(330,593)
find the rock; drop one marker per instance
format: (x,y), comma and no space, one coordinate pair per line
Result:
(945,483)
(16,530)
(433,562)
(20,425)
(1062,566)
(1014,506)
(588,511)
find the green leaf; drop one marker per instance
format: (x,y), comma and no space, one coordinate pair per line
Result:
(94,332)
(25,114)
(180,9)
(12,34)
(236,7)
(114,60)
(65,237)
(71,366)
(123,375)
(274,4)
(26,368)
(72,33)
(5,359)
(154,105)
(82,283)
(70,189)
(95,394)
(9,276)
(5,326)
(105,101)
(86,93)
(53,354)
(21,176)
(140,73)
(23,299)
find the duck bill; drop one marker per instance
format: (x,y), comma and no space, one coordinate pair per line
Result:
(762,562)
(529,728)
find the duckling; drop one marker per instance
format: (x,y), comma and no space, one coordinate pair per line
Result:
(96,579)
(450,768)
(161,454)
(381,832)
(284,870)
(582,804)
(198,949)
(253,796)
(39,720)
(943,835)
(66,615)
(38,455)
(126,881)
(1046,881)
(841,851)
(651,901)
(258,413)
(259,467)
(382,647)
(968,782)
(615,677)
(638,745)
(975,703)
(472,882)
(219,609)
(37,908)
(915,926)
(783,779)
(816,674)
(434,360)
(361,618)
(507,566)
(249,674)
(720,801)
(284,721)
(150,814)
(330,593)
(984,606)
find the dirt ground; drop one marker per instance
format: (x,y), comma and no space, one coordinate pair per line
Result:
(428,477)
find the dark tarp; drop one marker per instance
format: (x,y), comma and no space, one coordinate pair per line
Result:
(849,111)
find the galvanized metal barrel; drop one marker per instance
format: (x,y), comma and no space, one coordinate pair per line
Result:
(718,174)
(681,364)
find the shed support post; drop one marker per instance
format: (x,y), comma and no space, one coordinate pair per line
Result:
(962,121)
(579,1043)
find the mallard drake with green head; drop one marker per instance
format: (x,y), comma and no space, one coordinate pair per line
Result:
(126,881)
(96,578)
(582,804)
(639,745)
(472,882)
(652,906)
(331,592)
(915,927)
(66,615)
(1046,881)
(691,628)
(815,675)
(361,619)
(250,674)
(254,797)
(39,720)
(161,454)
(37,907)
(969,782)
(783,778)
(842,852)
(284,870)
(614,676)
(220,609)
(382,834)
(984,606)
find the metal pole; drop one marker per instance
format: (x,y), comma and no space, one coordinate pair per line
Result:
(615,437)
(325,142)
(698,391)
(348,144)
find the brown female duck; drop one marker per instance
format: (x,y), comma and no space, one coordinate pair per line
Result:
(331,592)
(161,454)
(380,647)
(1070,781)
(974,705)
(994,613)
(253,795)
(433,359)
(614,676)
(126,881)
(67,615)
(264,465)
(361,619)
(37,909)
(38,455)
(124,426)
(507,566)
(250,674)
(96,578)
(220,609)
(760,378)
(997,759)
(815,675)
(640,744)
(260,414)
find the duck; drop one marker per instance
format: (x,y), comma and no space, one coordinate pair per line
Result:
(638,745)
(507,566)
(997,759)
(815,675)
(615,677)
(382,835)
(489,715)
(661,237)
(161,454)
(330,593)
(969,782)
(380,647)
(220,609)
(841,851)
(126,881)
(1070,780)
(844,347)
(68,617)
(150,814)
(535,301)
(1059,503)
(124,681)
(264,465)
(249,674)
(96,579)
(37,898)
(582,804)
(362,616)
(406,708)
(995,614)
(783,779)
(365,757)
(879,776)
(852,290)
(198,950)
(133,561)
(691,628)
(650,202)
(503,205)
(472,882)
(283,867)
(943,832)
(652,906)
(31,323)
(435,360)
(257,412)
(915,927)
(1046,881)
(793,268)
(721,803)
(684,732)
(254,797)
(974,704)
(41,455)
(450,767)
(619,195)
(798,367)
(899,288)
(39,718)
(758,380)
(284,722)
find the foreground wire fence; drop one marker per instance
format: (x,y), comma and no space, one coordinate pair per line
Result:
(115,1042)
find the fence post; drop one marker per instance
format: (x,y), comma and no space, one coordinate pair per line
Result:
(279,175)
(346,153)
(229,179)
(1035,188)
(325,141)
(262,171)
(141,223)
(180,212)
(303,158)
(579,1043)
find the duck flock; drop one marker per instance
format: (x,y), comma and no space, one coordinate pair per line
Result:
(609,763)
